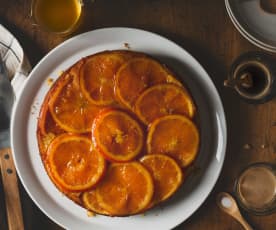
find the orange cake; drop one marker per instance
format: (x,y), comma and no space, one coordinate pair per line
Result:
(116,133)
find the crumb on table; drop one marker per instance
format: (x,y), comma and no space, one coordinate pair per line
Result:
(247,146)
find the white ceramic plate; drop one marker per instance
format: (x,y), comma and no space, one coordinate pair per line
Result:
(212,121)
(256,25)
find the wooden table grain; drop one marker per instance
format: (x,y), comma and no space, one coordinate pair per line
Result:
(204,29)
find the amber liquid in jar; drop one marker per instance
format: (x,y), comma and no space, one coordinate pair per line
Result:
(256,189)
(58,16)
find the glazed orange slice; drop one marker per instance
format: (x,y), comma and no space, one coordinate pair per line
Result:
(90,201)
(176,136)
(97,77)
(166,173)
(127,189)
(48,129)
(117,135)
(164,99)
(69,107)
(46,124)
(74,163)
(136,75)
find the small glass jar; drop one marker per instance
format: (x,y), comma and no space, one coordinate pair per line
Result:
(57,16)
(255,188)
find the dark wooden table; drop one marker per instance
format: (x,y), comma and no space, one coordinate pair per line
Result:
(203,29)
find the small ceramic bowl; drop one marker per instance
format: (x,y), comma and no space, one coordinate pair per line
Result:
(252,77)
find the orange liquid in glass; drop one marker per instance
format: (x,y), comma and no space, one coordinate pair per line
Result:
(57,15)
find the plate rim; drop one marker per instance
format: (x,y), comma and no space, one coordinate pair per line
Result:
(222,118)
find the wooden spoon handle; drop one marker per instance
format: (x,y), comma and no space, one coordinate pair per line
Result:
(246,226)
(12,198)
(242,221)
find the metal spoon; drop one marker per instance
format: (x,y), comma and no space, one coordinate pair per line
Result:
(227,204)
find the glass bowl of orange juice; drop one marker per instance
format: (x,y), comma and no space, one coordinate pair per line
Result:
(57,16)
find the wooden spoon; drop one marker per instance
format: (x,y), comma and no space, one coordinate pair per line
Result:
(11,191)
(227,204)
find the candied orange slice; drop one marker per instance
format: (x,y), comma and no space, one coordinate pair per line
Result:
(117,135)
(97,77)
(166,173)
(136,75)
(46,123)
(73,162)
(69,107)
(47,129)
(127,189)
(90,201)
(161,100)
(176,136)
